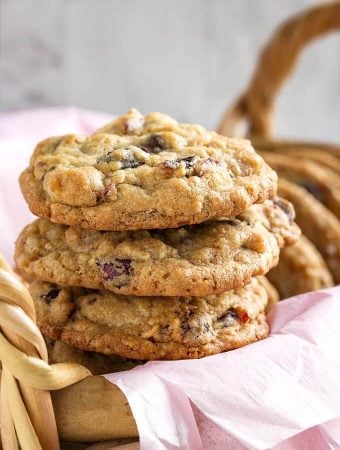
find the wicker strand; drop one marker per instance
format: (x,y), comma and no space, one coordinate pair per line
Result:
(27,416)
(274,65)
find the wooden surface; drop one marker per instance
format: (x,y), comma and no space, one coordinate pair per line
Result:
(190,58)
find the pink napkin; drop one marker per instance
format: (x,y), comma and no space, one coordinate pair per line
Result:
(282,393)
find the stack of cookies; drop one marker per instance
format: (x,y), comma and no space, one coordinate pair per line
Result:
(152,239)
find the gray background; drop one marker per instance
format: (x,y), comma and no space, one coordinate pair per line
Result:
(189,58)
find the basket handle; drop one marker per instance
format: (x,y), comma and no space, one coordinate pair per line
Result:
(275,64)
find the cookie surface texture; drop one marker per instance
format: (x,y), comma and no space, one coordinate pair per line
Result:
(143,172)
(149,327)
(195,260)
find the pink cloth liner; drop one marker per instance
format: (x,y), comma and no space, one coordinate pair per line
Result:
(282,393)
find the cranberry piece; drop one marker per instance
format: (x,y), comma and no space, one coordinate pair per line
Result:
(119,268)
(102,194)
(243,316)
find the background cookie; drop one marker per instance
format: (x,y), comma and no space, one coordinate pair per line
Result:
(321,182)
(318,156)
(196,260)
(144,172)
(301,269)
(151,327)
(273,295)
(317,223)
(97,363)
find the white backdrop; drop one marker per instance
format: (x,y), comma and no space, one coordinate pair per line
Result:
(189,58)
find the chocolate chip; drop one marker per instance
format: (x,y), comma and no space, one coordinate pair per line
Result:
(92,301)
(189,162)
(286,207)
(130,162)
(155,144)
(169,165)
(117,271)
(229,318)
(51,295)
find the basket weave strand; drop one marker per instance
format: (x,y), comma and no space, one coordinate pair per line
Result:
(27,416)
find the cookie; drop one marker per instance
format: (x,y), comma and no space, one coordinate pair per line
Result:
(301,269)
(317,223)
(195,260)
(97,363)
(150,328)
(143,172)
(317,156)
(321,182)
(273,295)
(297,147)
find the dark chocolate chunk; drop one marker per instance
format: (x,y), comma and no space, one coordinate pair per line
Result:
(155,144)
(51,295)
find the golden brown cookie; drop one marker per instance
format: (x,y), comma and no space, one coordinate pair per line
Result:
(321,182)
(195,260)
(282,146)
(97,363)
(151,327)
(301,269)
(273,295)
(328,157)
(142,172)
(317,223)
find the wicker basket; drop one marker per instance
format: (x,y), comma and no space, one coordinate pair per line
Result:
(255,107)
(81,407)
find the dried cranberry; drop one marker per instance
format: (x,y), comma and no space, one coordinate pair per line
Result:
(286,207)
(243,316)
(119,267)
(51,295)
(106,190)
(155,144)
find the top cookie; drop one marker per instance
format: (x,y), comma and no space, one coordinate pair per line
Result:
(143,172)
